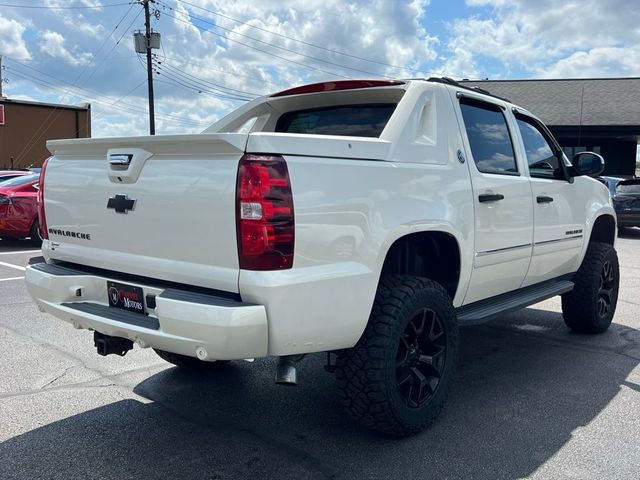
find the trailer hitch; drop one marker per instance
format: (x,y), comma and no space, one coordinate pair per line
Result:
(106,344)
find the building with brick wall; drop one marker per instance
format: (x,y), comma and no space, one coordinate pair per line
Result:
(26,126)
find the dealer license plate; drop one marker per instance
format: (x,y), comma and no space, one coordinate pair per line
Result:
(126,297)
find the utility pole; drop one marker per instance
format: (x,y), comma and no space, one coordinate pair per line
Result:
(147,24)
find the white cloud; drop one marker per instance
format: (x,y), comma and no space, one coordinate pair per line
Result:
(597,62)
(11,41)
(52,43)
(548,38)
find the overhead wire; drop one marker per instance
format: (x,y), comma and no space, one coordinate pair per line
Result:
(42,128)
(66,7)
(225,72)
(310,67)
(121,106)
(293,39)
(199,88)
(311,57)
(86,92)
(215,86)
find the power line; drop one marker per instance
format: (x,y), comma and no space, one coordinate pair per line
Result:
(260,50)
(226,72)
(40,131)
(200,88)
(337,52)
(311,57)
(121,106)
(92,94)
(77,7)
(213,85)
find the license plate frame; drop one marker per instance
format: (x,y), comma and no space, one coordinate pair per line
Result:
(125,297)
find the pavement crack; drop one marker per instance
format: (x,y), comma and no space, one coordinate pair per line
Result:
(58,377)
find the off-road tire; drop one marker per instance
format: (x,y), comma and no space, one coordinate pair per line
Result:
(590,306)
(188,363)
(367,374)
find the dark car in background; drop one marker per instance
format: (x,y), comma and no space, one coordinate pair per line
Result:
(626,199)
(19,208)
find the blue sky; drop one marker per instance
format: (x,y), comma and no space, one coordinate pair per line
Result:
(216,54)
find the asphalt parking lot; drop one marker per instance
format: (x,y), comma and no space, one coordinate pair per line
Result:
(531,400)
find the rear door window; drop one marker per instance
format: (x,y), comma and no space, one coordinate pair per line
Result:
(489,137)
(348,120)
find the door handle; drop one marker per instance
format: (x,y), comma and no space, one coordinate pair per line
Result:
(120,159)
(490,197)
(544,199)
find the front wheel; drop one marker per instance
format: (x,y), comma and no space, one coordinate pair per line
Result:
(590,306)
(396,379)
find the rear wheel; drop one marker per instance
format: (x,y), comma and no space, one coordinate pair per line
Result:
(590,306)
(397,377)
(36,233)
(186,362)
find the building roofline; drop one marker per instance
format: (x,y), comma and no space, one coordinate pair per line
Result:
(82,106)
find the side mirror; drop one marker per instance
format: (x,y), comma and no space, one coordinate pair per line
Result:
(587,163)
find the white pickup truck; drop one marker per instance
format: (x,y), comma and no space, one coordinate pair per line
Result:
(367,219)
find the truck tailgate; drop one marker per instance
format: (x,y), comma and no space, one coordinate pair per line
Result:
(160,207)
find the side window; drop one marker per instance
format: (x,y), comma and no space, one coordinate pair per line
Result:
(541,155)
(489,137)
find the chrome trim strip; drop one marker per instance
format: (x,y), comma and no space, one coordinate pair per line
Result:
(120,159)
(558,240)
(500,250)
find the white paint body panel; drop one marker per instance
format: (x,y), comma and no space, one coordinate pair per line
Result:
(353,198)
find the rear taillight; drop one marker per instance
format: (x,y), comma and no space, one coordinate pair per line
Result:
(264,213)
(41,216)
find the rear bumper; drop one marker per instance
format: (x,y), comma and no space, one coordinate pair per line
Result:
(183,321)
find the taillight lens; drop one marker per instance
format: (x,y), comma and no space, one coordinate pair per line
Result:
(41,217)
(264,213)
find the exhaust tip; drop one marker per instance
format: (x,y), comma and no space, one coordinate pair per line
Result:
(286,373)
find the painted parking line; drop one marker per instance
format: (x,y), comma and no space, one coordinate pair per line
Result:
(21,251)
(11,265)
(12,278)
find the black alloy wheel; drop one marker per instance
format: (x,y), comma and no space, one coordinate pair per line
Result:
(591,305)
(606,288)
(420,359)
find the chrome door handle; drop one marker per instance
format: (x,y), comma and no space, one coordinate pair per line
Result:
(120,159)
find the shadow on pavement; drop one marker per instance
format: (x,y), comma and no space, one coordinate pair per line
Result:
(519,395)
(629,232)
(11,245)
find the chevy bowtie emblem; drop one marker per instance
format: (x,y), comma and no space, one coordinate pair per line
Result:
(121,203)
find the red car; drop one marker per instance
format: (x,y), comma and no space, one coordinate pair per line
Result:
(19,208)
(9,174)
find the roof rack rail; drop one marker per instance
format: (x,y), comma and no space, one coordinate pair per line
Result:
(451,81)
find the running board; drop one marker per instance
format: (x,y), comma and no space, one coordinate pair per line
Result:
(485,310)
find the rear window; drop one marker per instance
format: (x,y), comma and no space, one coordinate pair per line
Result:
(19,180)
(628,186)
(348,120)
